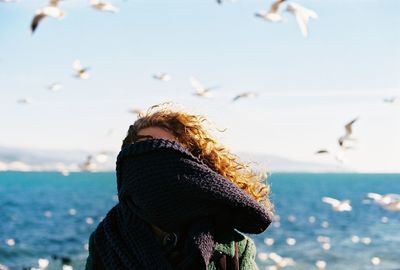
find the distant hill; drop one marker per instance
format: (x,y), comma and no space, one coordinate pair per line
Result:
(51,160)
(280,164)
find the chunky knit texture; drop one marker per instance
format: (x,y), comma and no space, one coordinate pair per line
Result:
(161,183)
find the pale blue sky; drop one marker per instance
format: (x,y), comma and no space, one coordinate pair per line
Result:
(309,88)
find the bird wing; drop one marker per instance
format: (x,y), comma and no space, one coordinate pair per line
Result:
(197,85)
(374,196)
(237,97)
(36,20)
(348,126)
(322,151)
(302,15)
(245,94)
(84,70)
(260,14)
(302,20)
(109,7)
(275,6)
(330,201)
(77,65)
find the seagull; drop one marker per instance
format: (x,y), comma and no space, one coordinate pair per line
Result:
(392,100)
(389,202)
(24,101)
(272,15)
(54,87)
(302,15)
(162,77)
(52,10)
(136,111)
(346,137)
(244,95)
(103,6)
(201,91)
(80,72)
(338,206)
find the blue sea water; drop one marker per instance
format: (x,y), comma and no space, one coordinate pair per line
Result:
(35,211)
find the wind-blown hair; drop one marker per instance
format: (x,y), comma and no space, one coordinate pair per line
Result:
(190,131)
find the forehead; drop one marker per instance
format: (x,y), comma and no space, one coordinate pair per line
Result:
(156,132)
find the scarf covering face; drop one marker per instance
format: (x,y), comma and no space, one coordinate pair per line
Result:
(159,182)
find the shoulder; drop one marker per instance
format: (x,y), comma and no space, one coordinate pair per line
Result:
(225,244)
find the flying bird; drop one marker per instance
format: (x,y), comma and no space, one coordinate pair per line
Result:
(272,15)
(392,100)
(52,10)
(347,136)
(342,142)
(389,202)
(201,91)
(162,77)
(103,6)
(80,72)
(302,15)
(338,206)
(24,101)
(245,95)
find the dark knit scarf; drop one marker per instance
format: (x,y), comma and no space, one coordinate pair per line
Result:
(159,182)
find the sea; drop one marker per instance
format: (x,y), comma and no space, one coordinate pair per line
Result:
(49,216)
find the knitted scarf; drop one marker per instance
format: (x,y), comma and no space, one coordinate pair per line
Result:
(160,182)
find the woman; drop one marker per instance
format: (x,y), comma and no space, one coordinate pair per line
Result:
(182,200)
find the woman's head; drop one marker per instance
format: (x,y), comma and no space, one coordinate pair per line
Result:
(189,130)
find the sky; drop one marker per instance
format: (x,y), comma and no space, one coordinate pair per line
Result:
(309,88)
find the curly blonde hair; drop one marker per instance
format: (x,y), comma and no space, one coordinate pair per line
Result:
(190,131)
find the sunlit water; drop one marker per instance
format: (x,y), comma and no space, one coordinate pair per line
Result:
(47,214)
